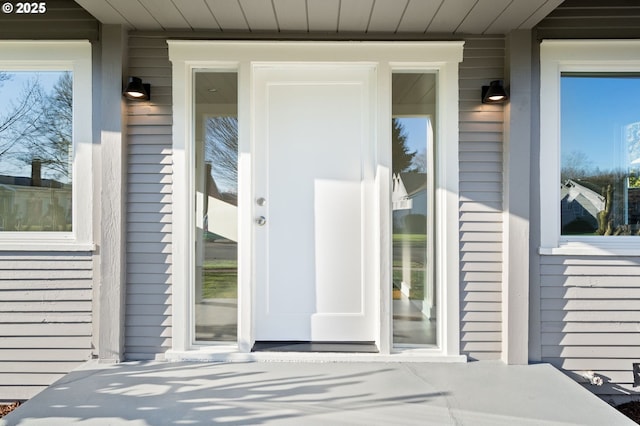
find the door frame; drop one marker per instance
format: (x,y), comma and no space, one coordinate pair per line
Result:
(441,57)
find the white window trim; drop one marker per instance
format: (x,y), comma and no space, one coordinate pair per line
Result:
(557,56)
(440,57)
(74,56)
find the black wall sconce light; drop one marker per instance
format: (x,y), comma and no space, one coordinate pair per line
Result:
(494,93)
(137,90)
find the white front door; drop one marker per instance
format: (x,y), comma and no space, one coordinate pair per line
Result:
(313,203)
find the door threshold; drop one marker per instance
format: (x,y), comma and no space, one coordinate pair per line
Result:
(296,346)
(231,353)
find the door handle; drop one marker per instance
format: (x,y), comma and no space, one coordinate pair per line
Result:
(261,220)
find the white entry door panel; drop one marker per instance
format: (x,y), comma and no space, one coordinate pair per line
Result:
(313,168)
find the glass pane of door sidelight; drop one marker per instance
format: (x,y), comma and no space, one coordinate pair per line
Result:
(216,186)
(414,292)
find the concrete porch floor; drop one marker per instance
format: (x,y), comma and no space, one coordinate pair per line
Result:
(327,393)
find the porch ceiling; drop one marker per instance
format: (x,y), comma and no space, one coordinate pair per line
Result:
(352,17)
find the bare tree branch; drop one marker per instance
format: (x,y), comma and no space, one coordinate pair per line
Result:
(221,149)
(51,141)
(21,118)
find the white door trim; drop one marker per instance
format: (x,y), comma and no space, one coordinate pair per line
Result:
(434,56)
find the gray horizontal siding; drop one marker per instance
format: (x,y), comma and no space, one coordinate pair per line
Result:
(592,19)
(481,133)
(590,318)
(45,319)
(64,19)
(149,275)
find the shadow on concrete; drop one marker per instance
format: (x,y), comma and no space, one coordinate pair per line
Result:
(322,393)
(188,393)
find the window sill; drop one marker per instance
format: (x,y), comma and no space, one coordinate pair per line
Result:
(595,246)
(45,245)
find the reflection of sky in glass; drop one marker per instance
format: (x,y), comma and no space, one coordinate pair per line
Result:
(595,112)
(416,130)
(19,81)
(11,92)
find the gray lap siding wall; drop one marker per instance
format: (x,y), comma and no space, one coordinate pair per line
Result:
(45,319)
(149,274)
(481,192)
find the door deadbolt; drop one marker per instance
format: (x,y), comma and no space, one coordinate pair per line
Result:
(261,202)
(261,220)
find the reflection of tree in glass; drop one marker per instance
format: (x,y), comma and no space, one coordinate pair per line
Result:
(21,117)
(575,164)
(35,151)
(38,127)
(51,143)
(419,162)
(401,156)
(221,150)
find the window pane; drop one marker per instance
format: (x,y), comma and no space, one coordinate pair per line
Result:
(600,154)
(216,292)
(414,294)
(35,150)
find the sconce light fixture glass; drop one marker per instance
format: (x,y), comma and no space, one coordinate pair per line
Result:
(137,90)
(494,93)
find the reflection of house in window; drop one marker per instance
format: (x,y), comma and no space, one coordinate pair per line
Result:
(409,200)
(632,136)
(579,207)
(633,209)
(34,204)
(221,211)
